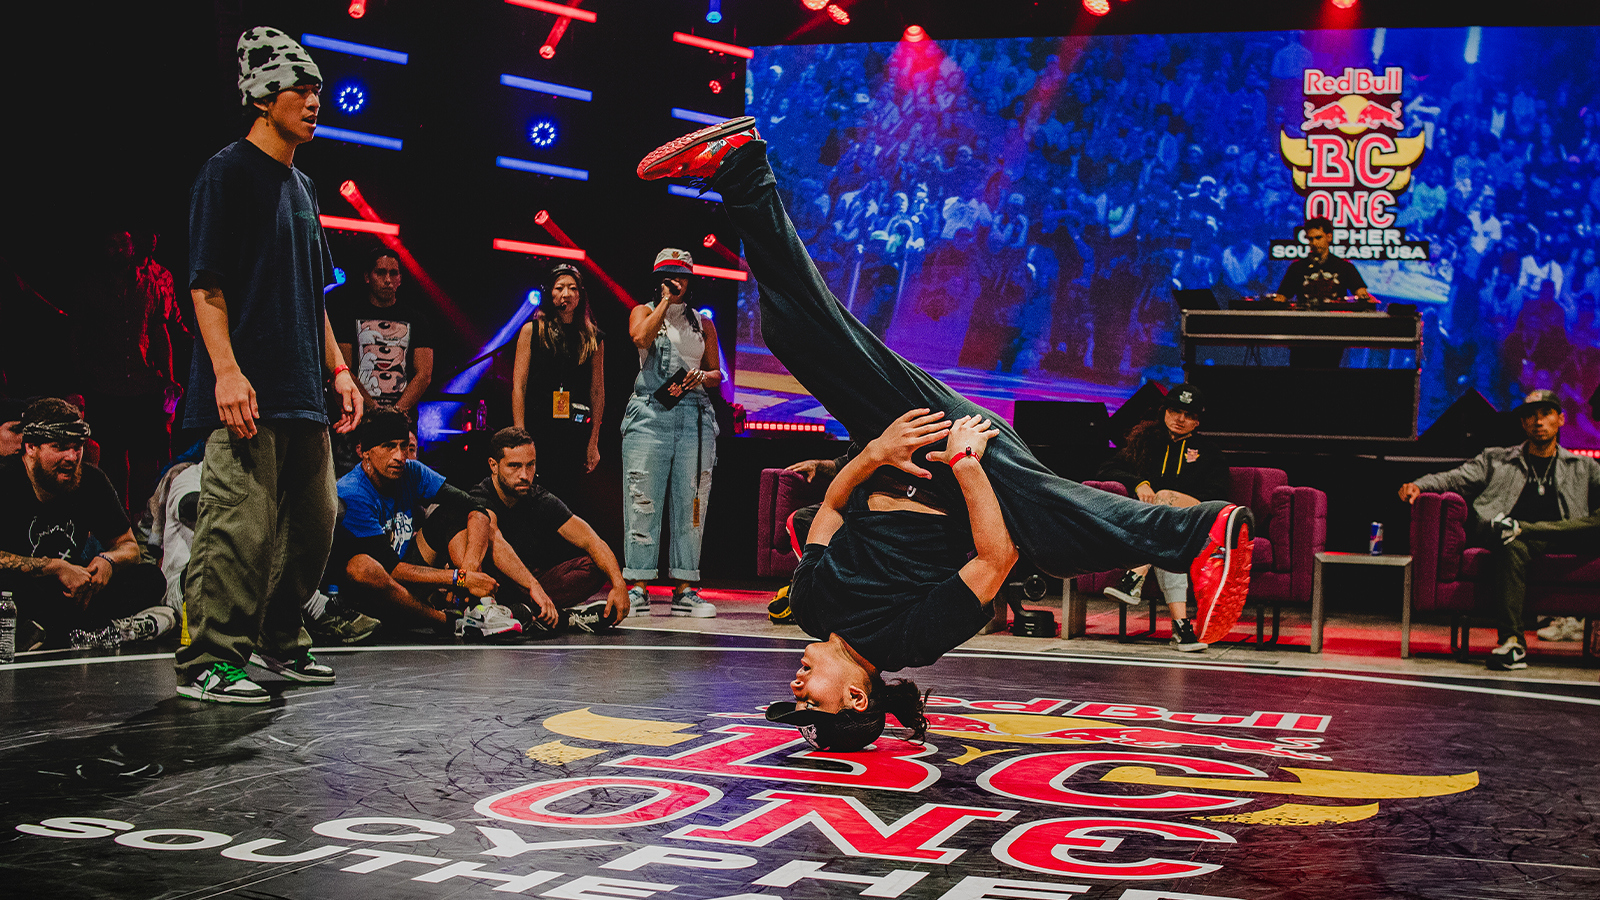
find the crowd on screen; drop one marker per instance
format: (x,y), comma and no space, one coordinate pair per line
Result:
(1037,199)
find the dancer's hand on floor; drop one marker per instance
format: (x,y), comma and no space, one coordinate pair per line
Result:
(966,432)
(904,436)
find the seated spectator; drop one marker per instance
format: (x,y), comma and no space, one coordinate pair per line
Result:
(1171,463)
(567,560)
(1530,499)
(11,427)
(67,552)
(390,555)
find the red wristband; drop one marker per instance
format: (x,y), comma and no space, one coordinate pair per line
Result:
(340,368)
(963,455)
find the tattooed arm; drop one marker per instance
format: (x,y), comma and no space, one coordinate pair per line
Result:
(12,564)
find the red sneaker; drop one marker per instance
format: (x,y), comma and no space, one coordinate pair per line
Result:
(1221,573)
(697,155)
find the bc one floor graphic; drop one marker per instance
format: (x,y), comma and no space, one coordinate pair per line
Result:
(638,765)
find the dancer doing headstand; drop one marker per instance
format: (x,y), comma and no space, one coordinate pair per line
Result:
(886,581)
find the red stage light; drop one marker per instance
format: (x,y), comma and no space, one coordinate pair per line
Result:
(556,9)
(1344,4)
(710,241)
(358,8)
(539,249)
(349,191)
(542,216)
(814,5)
(838,14)
(915,33)
(717,46)
(547,51)
(1097,7)
(716,86)
(714,272)
(342,224)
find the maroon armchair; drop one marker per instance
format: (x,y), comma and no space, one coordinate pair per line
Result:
(782,492)
(1291,528)
(1449,573)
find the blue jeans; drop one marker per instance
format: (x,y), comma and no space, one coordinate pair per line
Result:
(1063,527)
(663,450)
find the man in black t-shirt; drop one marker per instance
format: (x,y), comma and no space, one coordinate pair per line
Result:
(568,560)
(1321,276)
(1527,500)
(386,338)
(67,552)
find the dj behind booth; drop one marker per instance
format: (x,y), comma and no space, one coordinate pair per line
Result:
(1320,281)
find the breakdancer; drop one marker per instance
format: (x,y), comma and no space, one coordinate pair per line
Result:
(885,581)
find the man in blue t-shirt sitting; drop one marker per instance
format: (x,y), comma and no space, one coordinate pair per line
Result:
(389,554)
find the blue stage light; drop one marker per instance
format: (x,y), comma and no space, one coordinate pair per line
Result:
(526,165)
(338,275)
(706,311)
(359,137)
(534,297)
(542,132)
(350,97)
(354,49)
(714,12)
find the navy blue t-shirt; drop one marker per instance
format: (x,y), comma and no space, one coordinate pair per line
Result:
(889,583)
(253,224)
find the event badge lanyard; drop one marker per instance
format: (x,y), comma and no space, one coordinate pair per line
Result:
(561,398)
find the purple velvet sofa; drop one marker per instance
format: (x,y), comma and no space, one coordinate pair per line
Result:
(782,492)
(1449,573)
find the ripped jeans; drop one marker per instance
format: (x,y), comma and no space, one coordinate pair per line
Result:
(662,452)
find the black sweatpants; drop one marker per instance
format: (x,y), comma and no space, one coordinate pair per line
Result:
(1063,527)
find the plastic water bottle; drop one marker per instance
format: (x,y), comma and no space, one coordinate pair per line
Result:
(333,597)
(8,628)
(483,415)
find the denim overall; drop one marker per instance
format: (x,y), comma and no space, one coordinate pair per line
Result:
(664,453)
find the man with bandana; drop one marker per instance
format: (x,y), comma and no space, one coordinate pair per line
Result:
(1537,497)
(258,262)
(67,552)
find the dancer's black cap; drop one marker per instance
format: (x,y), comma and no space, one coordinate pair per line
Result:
(840,732)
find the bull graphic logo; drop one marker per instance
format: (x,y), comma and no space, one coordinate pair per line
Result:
(52,541)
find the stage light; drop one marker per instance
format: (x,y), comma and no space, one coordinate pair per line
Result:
(689,115)
(1474,41)
(1097,7)
(715,272)
(706,311)
(534,298)
(338,223)
(714,46)
(539,168)
(555,9)
(838,14)
(814,5)
(716,86)
(350,98)
(714,12)
(539,249)
(349,191)
(678,190)
(547,51)
(338,276)
(1344,4)
(354,49)
(914,34)
(359,137)
(546,87)
(358,8)
(542,132)
(541,217)
(710,241)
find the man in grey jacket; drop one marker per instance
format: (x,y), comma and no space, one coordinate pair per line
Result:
(1530,499)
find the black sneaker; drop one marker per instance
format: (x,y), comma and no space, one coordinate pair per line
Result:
(224,683)
(1183,638)
(342,626)
(304,668)
(779,612)
(1130,588)
(1508,656)
(590,617)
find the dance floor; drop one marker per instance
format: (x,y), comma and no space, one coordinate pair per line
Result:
(637,765)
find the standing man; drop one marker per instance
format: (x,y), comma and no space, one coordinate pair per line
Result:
(257,265)
(385,338)
(1530,499)
(1321,276)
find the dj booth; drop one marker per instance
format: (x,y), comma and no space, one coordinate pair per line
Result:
(1274,372)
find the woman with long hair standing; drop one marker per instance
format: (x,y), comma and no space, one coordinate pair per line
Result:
(669,440)
(558,388)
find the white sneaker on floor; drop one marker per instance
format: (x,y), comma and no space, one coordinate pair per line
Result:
(638,601)
(1562,628)
(688,602)
(146,625)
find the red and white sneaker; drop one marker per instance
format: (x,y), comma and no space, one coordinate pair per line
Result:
(1221,573)
(699,154)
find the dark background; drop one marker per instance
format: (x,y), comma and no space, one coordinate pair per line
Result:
(113,107)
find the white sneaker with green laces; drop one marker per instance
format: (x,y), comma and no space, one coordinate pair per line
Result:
(224,683)
(303,668)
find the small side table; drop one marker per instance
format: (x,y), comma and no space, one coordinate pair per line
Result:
(1329,557)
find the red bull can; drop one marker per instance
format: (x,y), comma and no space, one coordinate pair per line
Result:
(1375,540)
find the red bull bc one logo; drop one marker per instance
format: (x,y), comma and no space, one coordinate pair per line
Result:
(1353,163)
